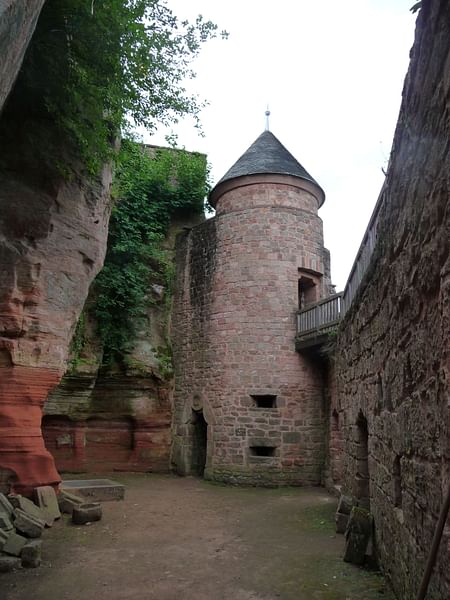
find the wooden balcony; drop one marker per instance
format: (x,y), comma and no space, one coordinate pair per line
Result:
(317,321)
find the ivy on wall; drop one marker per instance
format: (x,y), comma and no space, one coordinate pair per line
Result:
(154,186)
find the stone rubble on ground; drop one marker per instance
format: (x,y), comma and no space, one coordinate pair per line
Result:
(22,523)
(343,513)
(87,513)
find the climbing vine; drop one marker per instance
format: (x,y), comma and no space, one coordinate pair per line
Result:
(153,186)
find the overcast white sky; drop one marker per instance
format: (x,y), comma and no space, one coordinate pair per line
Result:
(332,73)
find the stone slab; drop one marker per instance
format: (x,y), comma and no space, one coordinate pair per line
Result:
(28,525)
(8,563)
(5,505)
(358,534)
(97,490)
(5,521)
(67,502)
(3,538)
(341,522)
(27,506)
(47,501)
(14,544)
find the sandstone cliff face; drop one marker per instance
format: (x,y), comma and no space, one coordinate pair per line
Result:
(392,354)
(118,417)
(53,231)
(103,419)
(18,19)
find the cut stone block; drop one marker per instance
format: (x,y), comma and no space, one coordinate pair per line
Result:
(5,522)
(27,506)
(67,502)
(31,554)
(3,538)
(48,502)
(14,544)
(28,525)
(358,534)
(87,513)
(98,490)
(5,505)
(345,505)
(8,563)
(341,522)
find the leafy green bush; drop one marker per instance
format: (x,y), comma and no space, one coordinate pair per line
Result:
(152,190)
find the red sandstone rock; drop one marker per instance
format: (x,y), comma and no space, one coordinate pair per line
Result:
(52,242)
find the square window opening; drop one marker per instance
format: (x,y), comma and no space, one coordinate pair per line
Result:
(265,400)
(262,450)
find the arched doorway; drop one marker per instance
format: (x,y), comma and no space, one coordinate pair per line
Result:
(199,442)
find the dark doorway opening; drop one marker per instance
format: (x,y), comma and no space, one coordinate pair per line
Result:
(362,478)
(199,442)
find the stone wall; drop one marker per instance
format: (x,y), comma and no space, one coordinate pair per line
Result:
(392,362)
(233,338)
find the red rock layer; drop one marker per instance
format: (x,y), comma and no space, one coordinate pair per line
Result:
(115,423)
(22,394)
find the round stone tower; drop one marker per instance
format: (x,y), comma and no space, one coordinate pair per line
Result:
(248,407)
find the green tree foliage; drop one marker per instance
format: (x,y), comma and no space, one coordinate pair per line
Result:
(95,65)
(152,190)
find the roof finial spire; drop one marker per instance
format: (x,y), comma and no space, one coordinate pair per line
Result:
(267,113)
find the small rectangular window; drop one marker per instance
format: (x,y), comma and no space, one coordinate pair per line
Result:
(265,400)
(262,450)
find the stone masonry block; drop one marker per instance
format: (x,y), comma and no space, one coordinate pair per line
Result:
(5,505)
(341,522)
(30,526)
(67,502)
(14,544)
(291,437)
(3,538)
(47,501)
(27,506)
(345,505)
(8,563)
(359,532)
(31,554)
(5,522)
(87,513)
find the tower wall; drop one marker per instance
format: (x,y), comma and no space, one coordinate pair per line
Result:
(234,328)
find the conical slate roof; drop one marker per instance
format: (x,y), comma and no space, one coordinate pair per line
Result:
(267,155)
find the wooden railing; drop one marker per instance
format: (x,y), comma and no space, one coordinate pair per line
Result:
(319,318)
(323,317)
(364,256)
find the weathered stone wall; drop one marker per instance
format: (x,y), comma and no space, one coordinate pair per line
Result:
(392,353)
(98,420)
(233,337)
(18,19)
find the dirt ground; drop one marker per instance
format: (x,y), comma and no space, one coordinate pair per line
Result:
(186,539)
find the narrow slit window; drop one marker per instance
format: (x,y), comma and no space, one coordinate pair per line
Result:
(262,450)
(265,400)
